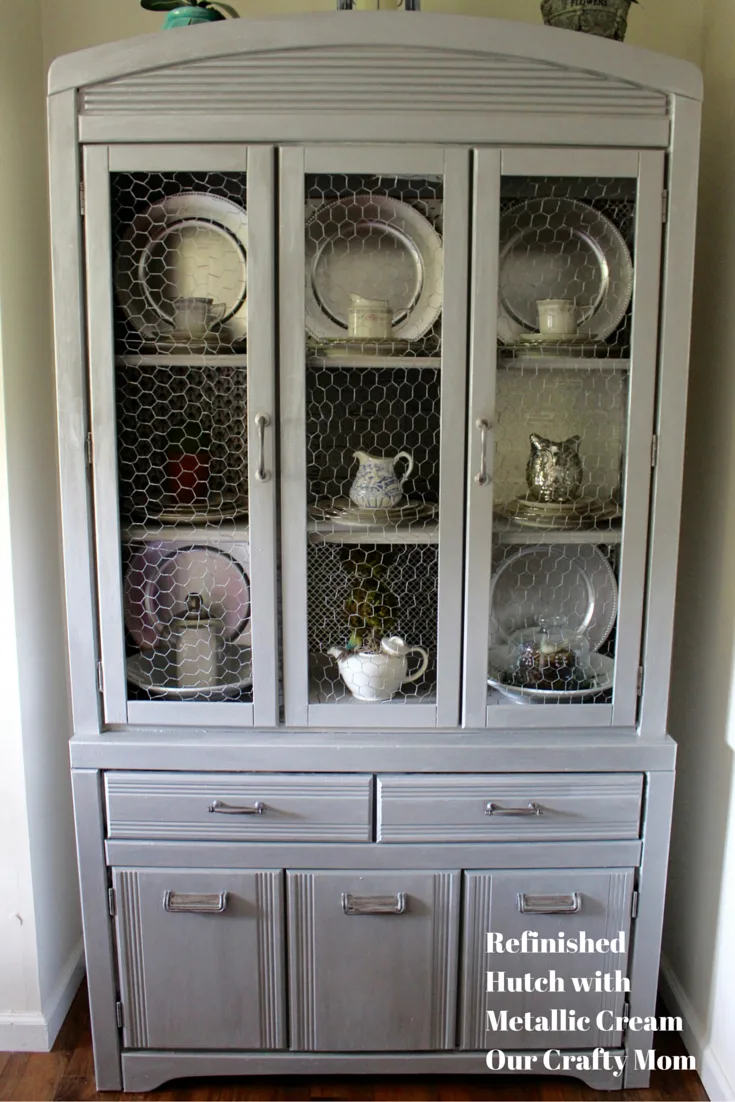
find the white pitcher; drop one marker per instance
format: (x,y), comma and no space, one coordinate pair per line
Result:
(376,484)
(378,677)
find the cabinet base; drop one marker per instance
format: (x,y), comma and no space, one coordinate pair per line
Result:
(144,1071)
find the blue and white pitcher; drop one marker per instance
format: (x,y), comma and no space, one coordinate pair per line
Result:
(376,484)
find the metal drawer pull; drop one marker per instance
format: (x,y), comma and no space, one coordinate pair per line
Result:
(221,808)
(181,903)
(550,904)
(374,904)
(262,420)
(532,809)
(483,478)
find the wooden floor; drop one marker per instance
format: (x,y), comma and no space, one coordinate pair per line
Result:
(67,1074)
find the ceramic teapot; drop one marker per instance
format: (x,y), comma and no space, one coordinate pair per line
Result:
(376,677)
(376,485)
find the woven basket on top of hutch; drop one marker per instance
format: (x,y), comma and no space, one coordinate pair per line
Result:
(372,344)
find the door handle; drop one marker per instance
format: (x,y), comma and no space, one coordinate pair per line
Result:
(482,477)
(262,420)
(374,904)
(183,903)
(550,904)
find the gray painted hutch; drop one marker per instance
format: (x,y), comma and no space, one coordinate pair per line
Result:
(278,874)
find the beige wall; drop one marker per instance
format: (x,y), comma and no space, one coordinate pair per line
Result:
(40,926)
(699,941)
(670,26)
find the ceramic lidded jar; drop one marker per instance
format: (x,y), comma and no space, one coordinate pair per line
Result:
(196,639)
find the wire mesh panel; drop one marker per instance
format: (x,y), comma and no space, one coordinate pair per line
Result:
(565,290)
(374,296)
(180,338)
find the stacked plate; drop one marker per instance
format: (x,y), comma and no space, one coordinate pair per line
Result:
(341,511)
(570,515)
(155,672)
(216,507)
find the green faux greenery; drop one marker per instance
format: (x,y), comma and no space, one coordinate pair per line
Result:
(169,5)
(370,607)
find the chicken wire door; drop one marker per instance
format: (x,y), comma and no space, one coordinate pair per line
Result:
(568,245)
(373,310)
(180,261)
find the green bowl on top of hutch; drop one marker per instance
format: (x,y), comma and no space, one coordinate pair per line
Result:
(607,18)
(186,13)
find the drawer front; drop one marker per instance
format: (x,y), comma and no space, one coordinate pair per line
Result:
(238,807)
(509,808)
(373,960)
(547,906)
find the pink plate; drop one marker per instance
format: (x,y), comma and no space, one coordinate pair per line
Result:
(161,575)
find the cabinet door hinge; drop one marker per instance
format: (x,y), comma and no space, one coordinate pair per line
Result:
(654,449)
(82,200)
(639,683)
(634,906)
(119,1014)
(665,206)
(101,678)
(88,449)
(111,902)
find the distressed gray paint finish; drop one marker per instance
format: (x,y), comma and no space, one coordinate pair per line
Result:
(222,807)
(201,981)
(492,905)
(372,982)
(508,808)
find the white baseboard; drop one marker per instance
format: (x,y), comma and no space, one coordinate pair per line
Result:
(36,1030)
(711,1072)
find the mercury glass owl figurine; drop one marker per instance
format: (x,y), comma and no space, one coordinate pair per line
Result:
(554,469)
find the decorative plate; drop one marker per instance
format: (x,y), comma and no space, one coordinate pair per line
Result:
(151,671)
(188,245)
(563,249)
(342,511)
(377,247)
(575,582)
(161,575)
(601,668)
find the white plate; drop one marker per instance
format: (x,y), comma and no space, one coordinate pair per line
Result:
(562,249)
(152,671)
(543,338)
(206,513)
(377,247)
(575,582)
(188,245)
(341,512)
(599,664)
(161,575)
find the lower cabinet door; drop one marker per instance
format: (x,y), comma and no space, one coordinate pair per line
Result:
(572,998)
(373,960)
(201,958)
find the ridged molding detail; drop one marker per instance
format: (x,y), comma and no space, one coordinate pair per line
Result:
(478,888)
(357,77)
(269,901)
(444,960)
(619,897)
(132,966)
(303,961)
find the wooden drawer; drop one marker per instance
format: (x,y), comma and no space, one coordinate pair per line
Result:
(238,807)
(509,808)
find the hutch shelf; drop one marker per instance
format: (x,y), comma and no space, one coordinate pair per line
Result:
(372,344)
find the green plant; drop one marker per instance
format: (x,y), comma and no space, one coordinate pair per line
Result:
(370,607)
(170,5)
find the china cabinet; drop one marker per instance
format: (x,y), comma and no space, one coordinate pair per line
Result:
(372,353)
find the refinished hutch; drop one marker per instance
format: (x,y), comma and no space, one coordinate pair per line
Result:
(372,339)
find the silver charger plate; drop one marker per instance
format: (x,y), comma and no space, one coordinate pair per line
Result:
(188,245)
(151,671)
(575,582)
(377,247)
(600,666)
(561,249)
